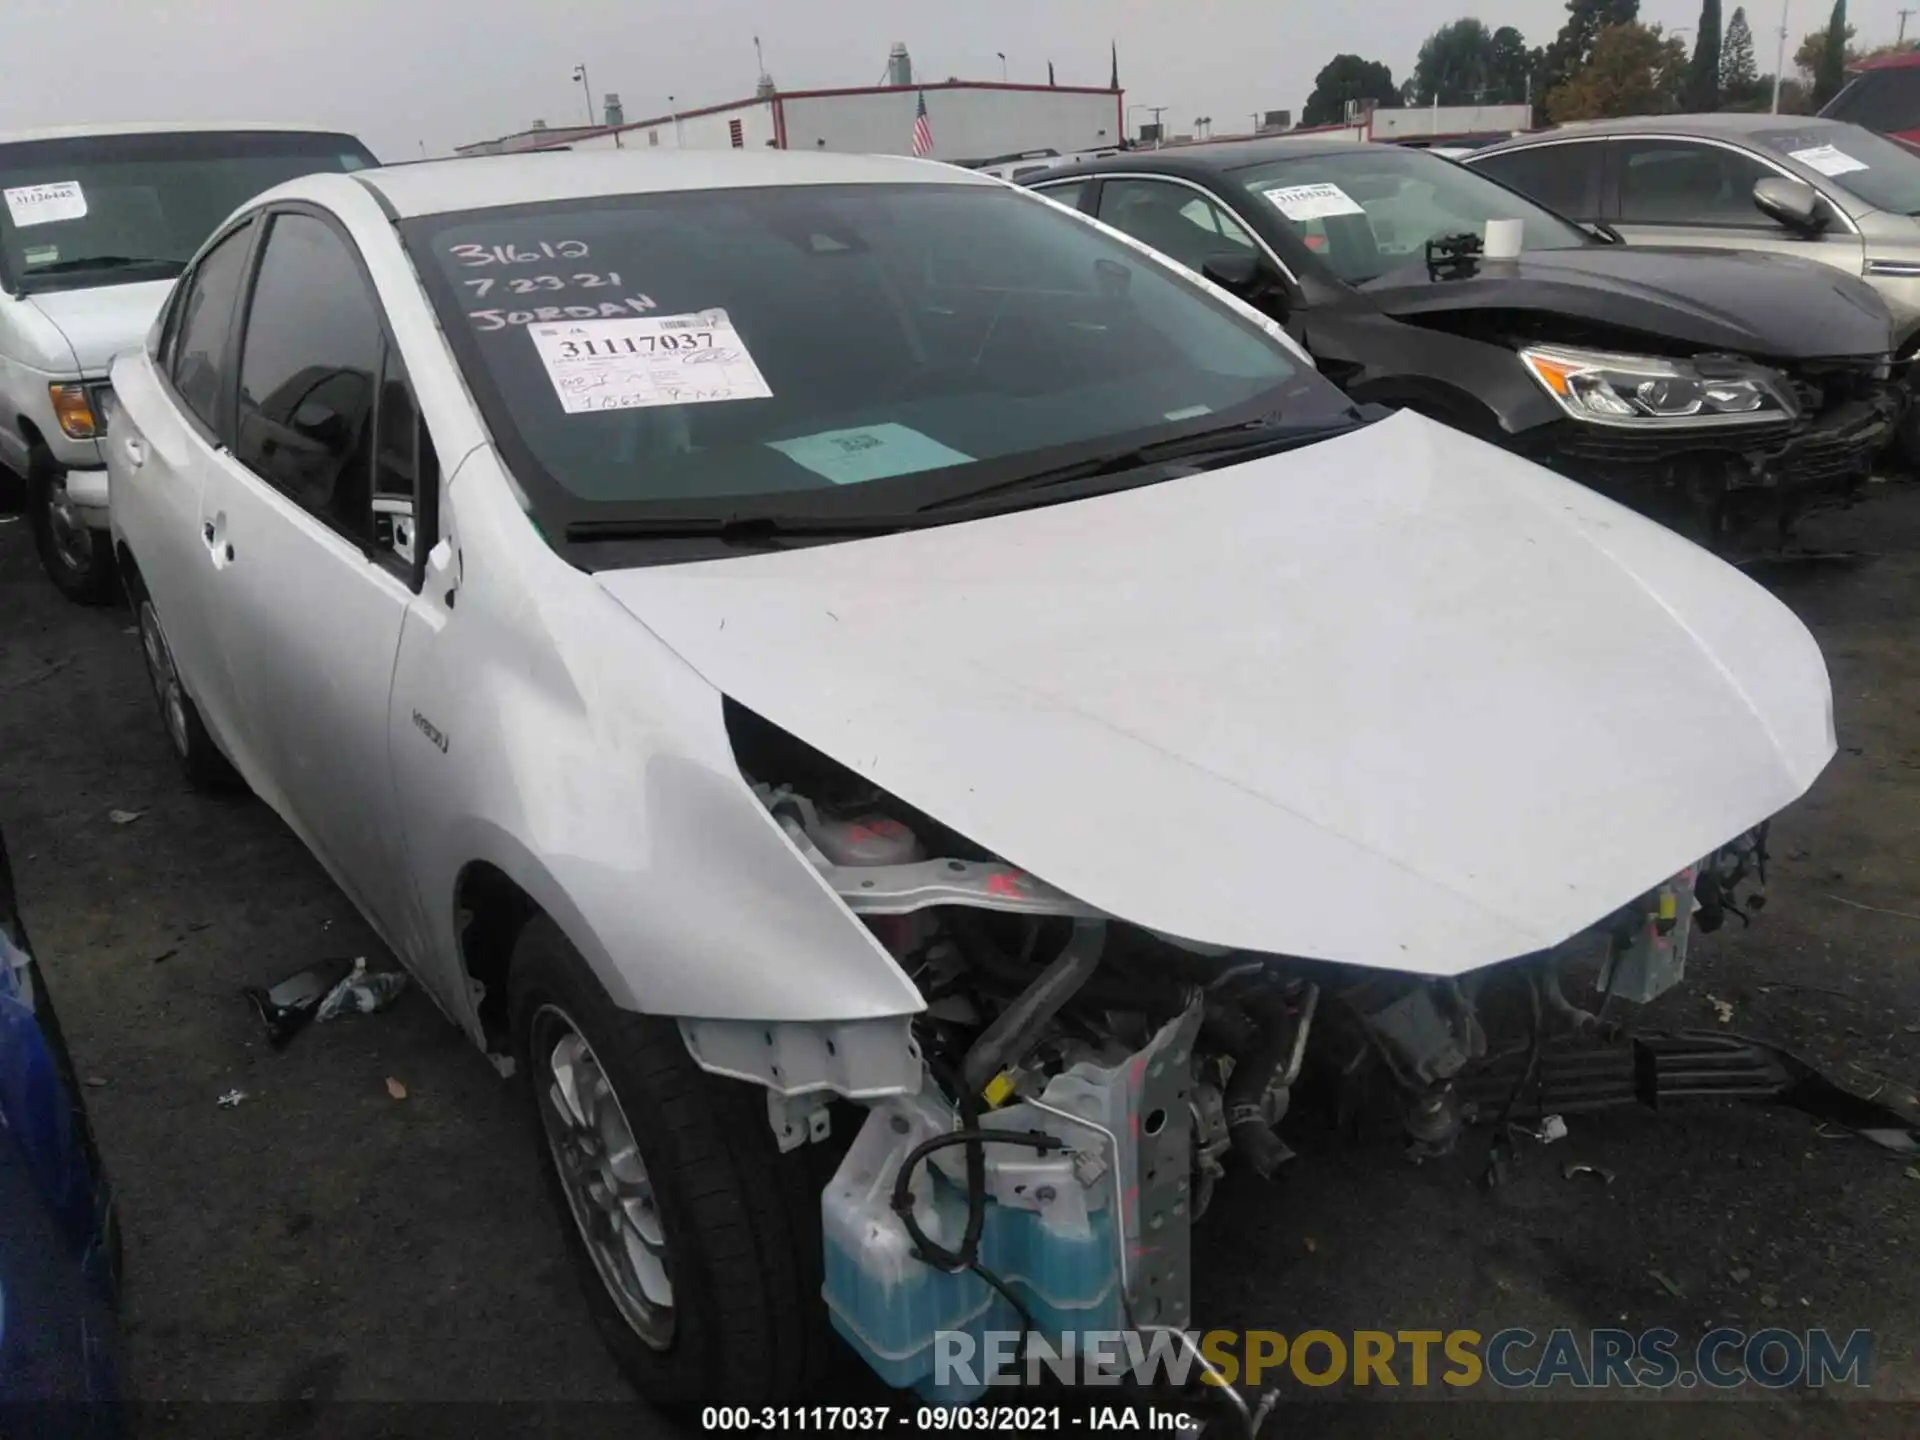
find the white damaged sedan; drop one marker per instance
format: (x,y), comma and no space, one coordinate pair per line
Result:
(910,721)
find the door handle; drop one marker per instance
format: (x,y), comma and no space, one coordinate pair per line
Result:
(210,532)
(136,453)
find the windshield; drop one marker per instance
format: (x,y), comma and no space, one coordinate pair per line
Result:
(726,343)
(1373,208)
(115,209)
(1884,175)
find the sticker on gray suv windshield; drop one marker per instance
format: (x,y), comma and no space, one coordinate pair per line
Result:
(1827,159)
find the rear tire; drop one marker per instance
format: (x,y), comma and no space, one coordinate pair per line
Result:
(728,1227)
(199,758)
(77,558)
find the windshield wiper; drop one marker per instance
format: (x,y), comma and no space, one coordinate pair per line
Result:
(740,530)
(1244,441)
(102,262)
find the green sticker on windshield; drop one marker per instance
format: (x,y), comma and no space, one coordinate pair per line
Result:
(41,254)
(869,452)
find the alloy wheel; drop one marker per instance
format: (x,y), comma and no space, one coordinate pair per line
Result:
(603,1176)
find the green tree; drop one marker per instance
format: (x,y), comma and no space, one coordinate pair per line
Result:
(1464,63)
(1572,48)
(1703,75)
(1344,78)
(1812,56)
(1739,73)
(1832,73)
(1633,70)
(1511,66)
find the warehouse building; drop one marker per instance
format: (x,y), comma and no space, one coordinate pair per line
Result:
(969,120)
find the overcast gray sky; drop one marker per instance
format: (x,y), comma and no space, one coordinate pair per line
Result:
(400,72)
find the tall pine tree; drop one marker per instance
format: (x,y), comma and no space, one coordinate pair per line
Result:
(1703,75)
(1833,60)
(1739,71)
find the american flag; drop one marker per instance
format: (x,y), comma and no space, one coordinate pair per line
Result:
(922,131)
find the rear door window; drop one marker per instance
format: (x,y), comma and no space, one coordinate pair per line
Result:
(1067,192)
(1560,177)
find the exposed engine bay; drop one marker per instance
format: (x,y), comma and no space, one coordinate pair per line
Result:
(1087,1082)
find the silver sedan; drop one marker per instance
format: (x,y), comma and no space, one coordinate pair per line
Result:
(1795,184)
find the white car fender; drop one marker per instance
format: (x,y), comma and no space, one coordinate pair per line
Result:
(566,745)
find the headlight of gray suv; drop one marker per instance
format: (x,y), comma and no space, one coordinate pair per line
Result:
(1645,390)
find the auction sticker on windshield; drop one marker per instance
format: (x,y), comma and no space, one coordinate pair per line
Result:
(654,360)
(42,204)
(1313,202)
(1827,159)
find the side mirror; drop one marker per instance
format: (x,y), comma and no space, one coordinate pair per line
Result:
(1794,203)
(1248,277)
(1239,273)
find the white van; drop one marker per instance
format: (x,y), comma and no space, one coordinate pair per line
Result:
(97,222)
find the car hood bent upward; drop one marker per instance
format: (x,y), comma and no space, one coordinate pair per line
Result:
(1775,306)
(1397,699)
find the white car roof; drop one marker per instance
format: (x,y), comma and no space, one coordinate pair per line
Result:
(438,186)
(165,127)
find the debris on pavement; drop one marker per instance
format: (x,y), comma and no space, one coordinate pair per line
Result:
(1668,1285)
(1721,1008)
(288,1006)
(1876,909)
(1552,1128)
(231,1099)
(396,1089)
(124,817)
(1582,1167)
(96,1082)
(164,955)
(1900,1142)
(362,992)
(1740,1274)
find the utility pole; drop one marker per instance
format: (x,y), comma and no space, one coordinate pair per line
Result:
(1780,55)
(1901,38)
(1159,132)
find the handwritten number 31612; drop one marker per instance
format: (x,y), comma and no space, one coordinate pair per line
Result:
(477,255)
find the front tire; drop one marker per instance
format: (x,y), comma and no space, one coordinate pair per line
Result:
(697,1243)
(77,558)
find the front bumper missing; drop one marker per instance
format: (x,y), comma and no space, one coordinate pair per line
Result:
(1661,1068)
